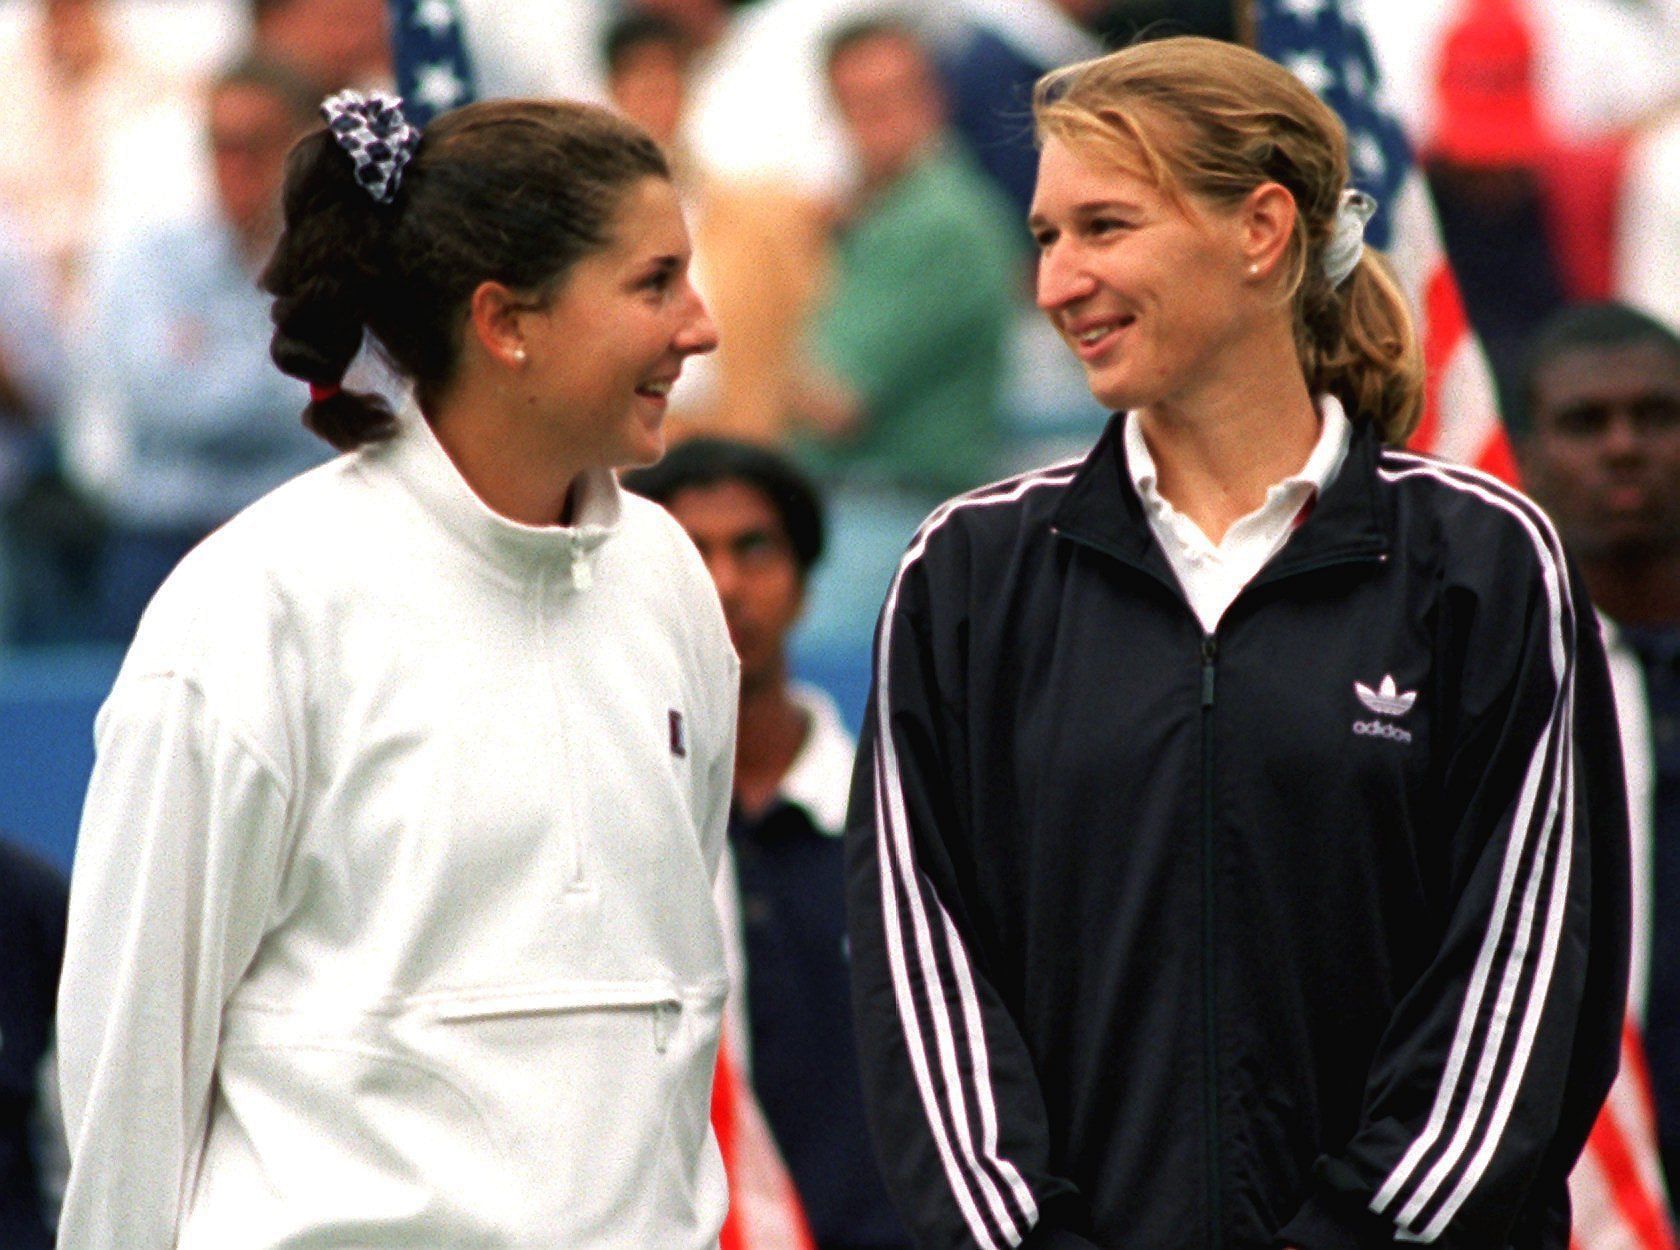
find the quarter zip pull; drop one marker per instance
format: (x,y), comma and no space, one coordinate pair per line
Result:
(581,575)
(1210,652)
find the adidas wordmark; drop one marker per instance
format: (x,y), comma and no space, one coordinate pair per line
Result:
(1381,729)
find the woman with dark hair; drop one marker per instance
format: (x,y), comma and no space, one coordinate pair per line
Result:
(391,919)
(1238,853)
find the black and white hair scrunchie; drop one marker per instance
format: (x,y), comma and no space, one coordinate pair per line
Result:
(375,135)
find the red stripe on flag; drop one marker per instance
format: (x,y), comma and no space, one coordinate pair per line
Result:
(1497,458)
(1634,1202)
(1633,1064)
(1620,1202)
(723,1124)
(764,1211)
(1444,328)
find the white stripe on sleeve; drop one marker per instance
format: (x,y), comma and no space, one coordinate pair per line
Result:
(1538,821)
(969,1168)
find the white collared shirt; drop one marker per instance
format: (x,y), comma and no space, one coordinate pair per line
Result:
(818,782)
(820,777)
(1213,574)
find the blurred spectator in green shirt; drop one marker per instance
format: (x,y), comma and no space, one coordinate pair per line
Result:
(911,334)
(901,400)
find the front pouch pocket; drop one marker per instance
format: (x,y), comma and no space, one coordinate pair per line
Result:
(344,1141)
(553,1116)
(584,1085)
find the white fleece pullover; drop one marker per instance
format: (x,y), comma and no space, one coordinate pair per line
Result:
(391,921)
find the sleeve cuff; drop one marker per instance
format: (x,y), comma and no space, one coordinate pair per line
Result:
(1335,1216)
(1043,1238)
(1052,1230)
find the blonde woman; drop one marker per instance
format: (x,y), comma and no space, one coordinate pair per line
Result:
(1238,853)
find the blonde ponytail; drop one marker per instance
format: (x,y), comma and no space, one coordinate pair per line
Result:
(1363,349)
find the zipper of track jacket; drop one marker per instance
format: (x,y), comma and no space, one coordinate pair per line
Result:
(1210,1041)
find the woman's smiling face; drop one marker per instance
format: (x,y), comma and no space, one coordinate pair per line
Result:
(1146,293)
(607,348)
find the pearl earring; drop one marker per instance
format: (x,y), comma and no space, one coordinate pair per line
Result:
(519,355)
(1254,270)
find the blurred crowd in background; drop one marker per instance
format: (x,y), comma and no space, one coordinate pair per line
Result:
(857,176)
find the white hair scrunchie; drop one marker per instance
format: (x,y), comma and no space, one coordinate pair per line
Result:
(375,135)
(1347,236)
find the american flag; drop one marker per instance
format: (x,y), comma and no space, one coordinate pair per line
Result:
(434,73)
(1616,1189)
(1325,45)
(764,1211)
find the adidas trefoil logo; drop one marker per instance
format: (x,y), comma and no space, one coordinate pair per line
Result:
(1386,699)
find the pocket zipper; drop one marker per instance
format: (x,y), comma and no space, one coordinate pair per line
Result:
(663,1002)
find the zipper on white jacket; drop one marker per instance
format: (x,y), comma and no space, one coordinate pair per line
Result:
(549,590)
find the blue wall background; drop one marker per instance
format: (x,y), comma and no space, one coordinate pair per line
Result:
(48,699)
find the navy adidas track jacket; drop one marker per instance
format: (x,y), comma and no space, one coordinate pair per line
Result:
(1309,932)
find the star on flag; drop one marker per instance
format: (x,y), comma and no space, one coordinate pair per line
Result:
(434,72)
(438,87)
(434,15)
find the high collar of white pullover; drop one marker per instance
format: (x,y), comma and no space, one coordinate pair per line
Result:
(517,550)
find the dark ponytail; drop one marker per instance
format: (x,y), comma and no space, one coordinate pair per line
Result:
(509,191)
(329,257)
